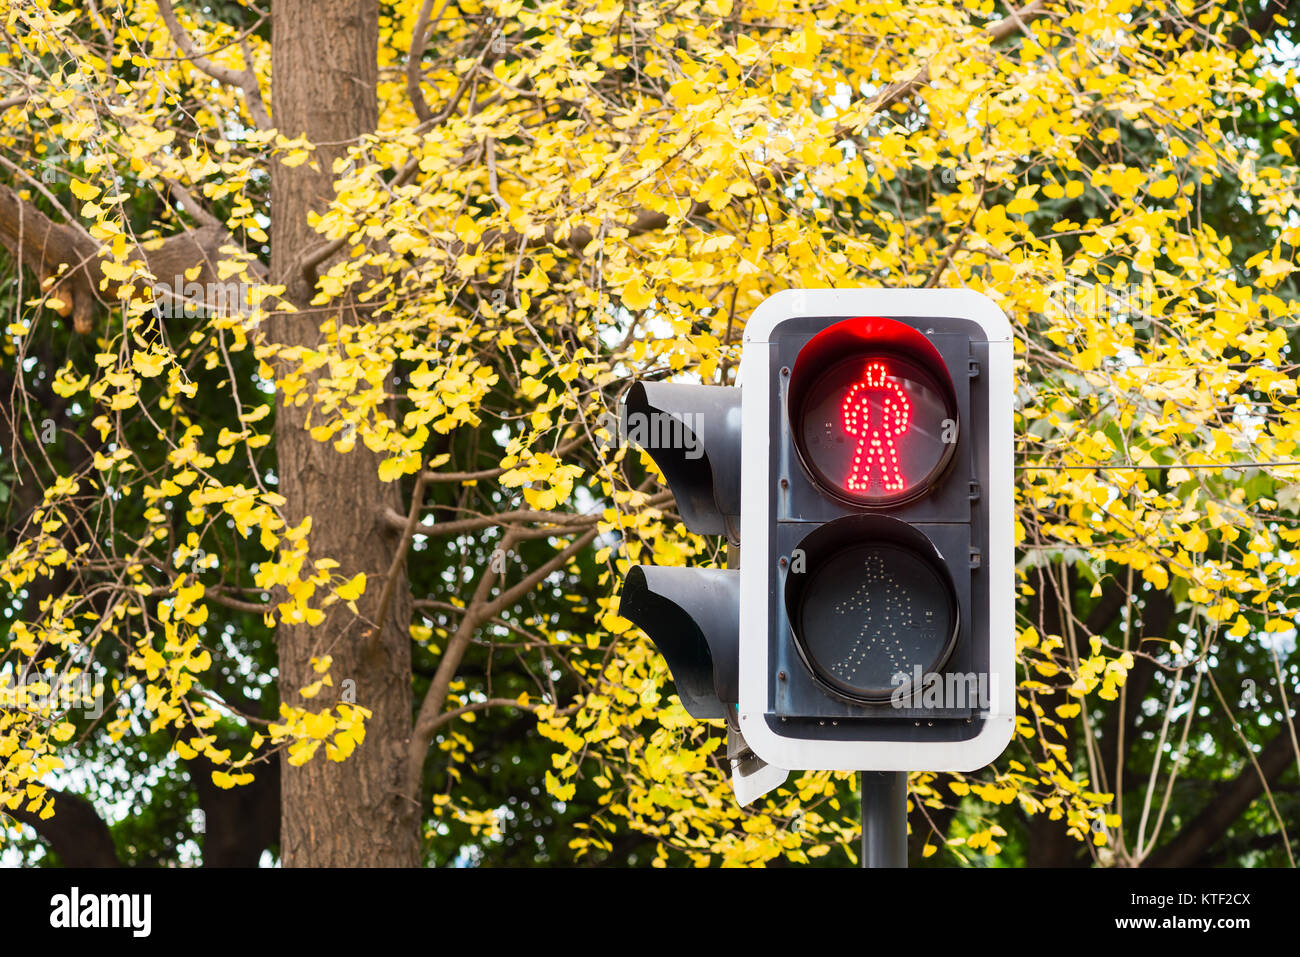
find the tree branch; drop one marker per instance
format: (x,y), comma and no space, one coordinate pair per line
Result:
(415,57)
(398,522)
(1230,800)
(996,31)
(76,833)
(479,610)
(213,595)
(373,636)
(1261,23)
(245,79)
(46,247)
(454,713)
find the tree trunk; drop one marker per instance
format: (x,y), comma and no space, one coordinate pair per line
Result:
(350,813)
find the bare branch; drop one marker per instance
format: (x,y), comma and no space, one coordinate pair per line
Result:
(414,59)
(191,204)
(512,595)
(214,595)
(397,522)
(454,713)
(399,557)
(479,610)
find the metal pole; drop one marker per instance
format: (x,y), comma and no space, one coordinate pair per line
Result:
(884,818)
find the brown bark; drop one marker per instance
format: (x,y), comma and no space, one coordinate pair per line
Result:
(325,78)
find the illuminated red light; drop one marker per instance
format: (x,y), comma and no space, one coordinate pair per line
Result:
(876,453)
(873,411)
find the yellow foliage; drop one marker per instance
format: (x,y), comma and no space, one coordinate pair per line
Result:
(628,227)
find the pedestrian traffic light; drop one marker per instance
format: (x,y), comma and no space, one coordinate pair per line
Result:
(864,468)
(876,531)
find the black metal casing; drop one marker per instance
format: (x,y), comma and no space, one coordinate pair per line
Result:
(950,516)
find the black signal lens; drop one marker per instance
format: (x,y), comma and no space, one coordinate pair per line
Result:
(870,601)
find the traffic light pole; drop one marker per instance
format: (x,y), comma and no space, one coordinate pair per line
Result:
(884,818)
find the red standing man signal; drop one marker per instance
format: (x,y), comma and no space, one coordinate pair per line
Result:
(876,449)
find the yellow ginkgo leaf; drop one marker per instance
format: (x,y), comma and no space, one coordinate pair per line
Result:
(352,589)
